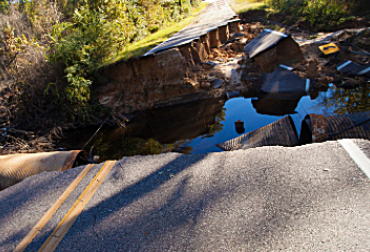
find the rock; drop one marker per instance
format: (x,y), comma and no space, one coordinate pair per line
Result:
(218,83)
(206,85)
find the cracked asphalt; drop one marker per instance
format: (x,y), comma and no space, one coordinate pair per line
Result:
(308,198)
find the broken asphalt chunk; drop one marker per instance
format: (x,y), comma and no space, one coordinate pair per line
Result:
(264,41)
(352,69)
(272,48)
(218,83)
(347,66)
(285,83)
(364,70)
(281,133)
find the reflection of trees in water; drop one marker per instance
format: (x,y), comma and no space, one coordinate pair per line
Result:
(139,146)
(217,126)
(347,101)
(182,146)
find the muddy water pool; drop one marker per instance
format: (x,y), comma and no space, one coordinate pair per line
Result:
(197,127)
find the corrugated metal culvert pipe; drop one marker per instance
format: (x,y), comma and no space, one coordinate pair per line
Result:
(15,168)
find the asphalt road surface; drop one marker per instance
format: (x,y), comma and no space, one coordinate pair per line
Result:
(217,13)
(308,198)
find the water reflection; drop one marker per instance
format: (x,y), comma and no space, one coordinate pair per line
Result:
(197,127)
(154,132)
(345,101)
(276,107)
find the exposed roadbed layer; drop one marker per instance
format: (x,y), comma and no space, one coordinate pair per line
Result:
(308,198)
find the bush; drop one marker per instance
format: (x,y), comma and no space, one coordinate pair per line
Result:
(328,12)
(4,6)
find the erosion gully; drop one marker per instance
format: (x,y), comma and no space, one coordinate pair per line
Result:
(196,127)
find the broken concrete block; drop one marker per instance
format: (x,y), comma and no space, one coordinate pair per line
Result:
(272,48)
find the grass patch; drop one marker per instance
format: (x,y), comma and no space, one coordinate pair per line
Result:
(141,47)
(241,6)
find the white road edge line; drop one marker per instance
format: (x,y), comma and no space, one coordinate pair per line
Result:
(357,155)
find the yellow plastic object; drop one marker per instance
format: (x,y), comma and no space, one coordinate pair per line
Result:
(15,168)
(329,48)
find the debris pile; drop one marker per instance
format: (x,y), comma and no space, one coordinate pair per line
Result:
(337,58)
(281,68)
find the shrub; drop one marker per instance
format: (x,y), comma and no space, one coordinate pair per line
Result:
(328,12)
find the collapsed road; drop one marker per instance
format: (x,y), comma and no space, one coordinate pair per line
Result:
(313,197)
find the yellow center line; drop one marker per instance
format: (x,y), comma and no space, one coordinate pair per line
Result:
(47,216)
(65,224)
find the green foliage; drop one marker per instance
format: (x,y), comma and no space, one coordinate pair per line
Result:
(98,29)
(322,10)
(4,6)
(347,101)
(217,126)
(317,12)
(78,36)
